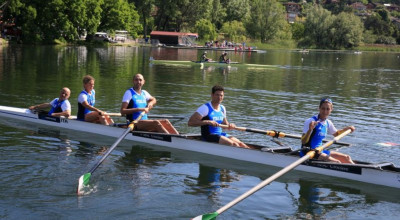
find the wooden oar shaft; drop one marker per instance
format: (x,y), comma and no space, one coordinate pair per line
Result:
(274,133)
(84,179)
(309,155)
(151,116)
(126,132)
(129,129)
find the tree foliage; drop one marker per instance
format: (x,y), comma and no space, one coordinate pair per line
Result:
(347,31)
(236,10)
(234,31)
(326,23)
(267,21)
(67,20)
(119,15)
(206,30)
(324,30)
(316,27)
(178,15)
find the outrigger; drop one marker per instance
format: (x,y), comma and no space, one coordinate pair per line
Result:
(385,174)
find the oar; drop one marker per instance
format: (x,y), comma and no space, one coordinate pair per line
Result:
(151,116)
(274,133)
(84,179)
(309,155)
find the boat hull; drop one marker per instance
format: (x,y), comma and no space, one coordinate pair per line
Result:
(385,174)
(187,62)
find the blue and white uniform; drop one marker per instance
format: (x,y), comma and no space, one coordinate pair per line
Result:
(319,133)
(136,100)
(85,96)
(59,106)
(207,112)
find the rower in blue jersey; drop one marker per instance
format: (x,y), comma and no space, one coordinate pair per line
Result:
(210,115)
(59,106)
(315,130)
(135,101)
(86,100)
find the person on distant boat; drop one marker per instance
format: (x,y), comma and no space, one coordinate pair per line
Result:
(59,106)
(315,130)
(86,100)
(210,115)
(135,101)
(204,57)
(223,58)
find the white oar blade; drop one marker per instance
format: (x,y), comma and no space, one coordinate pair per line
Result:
(209,216)
(82,182)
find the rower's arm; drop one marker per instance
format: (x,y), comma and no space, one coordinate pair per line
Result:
(195,121)
(40,106)
(305,137)
(91,108)
(128,111)
(65,113)
(151,103)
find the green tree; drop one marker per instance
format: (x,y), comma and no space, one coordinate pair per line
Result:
(234,31)
(120,15)
(346,31)
(205,29)
(145,7)
(218,14)
(49,20)
(238,10)
(317,27)
(178,15)
(378,25)
(267,21)
(297,30)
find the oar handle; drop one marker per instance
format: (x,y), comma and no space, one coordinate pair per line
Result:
(270,133)
(273,133)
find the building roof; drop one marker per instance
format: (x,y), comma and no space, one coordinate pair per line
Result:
(168,33)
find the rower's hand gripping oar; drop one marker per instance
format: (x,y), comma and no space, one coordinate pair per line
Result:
(309,155)
(84,179)
(274,133)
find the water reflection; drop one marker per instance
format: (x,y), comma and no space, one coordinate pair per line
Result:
(318,200)
(210,181)
(140,155)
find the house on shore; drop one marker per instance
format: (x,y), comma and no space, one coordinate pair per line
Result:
(174,38)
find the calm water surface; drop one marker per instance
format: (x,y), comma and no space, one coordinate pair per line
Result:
(39,166)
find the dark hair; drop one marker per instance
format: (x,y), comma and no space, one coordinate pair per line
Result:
(323,100)
(217,88)
(87,79)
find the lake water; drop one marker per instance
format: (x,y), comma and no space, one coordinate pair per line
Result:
(39,166)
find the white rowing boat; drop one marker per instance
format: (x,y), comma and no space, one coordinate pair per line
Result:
(211,63)
(385,174)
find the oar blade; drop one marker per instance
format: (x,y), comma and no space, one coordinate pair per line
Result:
(83,181)
(208,216)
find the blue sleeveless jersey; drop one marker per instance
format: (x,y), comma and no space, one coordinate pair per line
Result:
(319,133)
(56,106)
(137,101)
(213,115)
(82,111)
